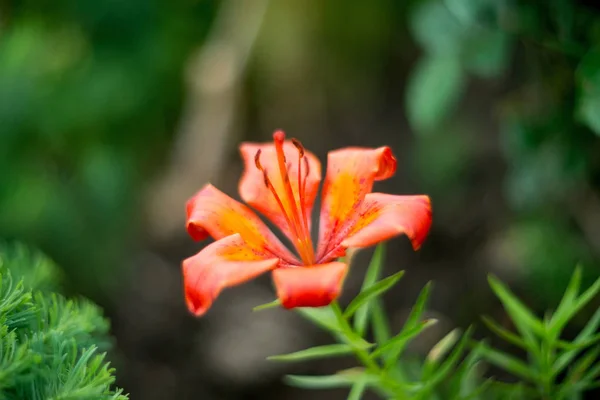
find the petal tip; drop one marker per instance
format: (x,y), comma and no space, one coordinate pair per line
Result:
(195,230)
(419,237)
(195,305)
(196,233)
(387,164)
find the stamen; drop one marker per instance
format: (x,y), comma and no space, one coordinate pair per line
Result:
(269,185)
(302,189)
(261,169)
(299,221)
(257,160)
(307,166)
(299,146)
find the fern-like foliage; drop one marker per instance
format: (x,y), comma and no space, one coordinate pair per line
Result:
(49,345)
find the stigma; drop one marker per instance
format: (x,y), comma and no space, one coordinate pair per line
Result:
(291,203)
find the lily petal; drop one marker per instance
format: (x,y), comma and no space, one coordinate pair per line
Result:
(350,176)
(224,263)
(254,192)
(383,216)
(312,286)
(212,213)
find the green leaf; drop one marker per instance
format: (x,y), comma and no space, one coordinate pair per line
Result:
(442,347)
(561,344)
(381,328)
(272,304)
(346,334)
(514,391)
(373,272)
(507,362)
(433,90)
(342,379)
(580,376)
(330,350)
(465,382)
(322,316)
(586,297)
(433,377)
(373,291)
(411,322)
(587,111)
(504,333)
(588,79)
(565,358)
(419,307)
(467,12)
(477,391)
(357,390)
(591,375)
(563,312)
(402,338)
(436,28)
(487,52)
(519,313)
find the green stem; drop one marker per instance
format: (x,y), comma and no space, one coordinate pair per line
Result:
(364,357)
(546,362)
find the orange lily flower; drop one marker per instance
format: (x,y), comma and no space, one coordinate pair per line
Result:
(281,180)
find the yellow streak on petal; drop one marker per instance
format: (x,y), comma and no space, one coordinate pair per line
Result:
(344,195)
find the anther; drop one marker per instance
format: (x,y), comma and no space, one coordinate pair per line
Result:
(307,166)
(261,169)
(299,146)
(257,160)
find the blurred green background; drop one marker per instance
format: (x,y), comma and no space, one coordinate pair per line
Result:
(113,113)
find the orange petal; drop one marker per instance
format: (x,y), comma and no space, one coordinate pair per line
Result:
(313,286)
(212,213)
(383,216)
(350,176)
(254,192)
(224,263)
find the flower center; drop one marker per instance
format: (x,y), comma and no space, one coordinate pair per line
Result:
(292,205)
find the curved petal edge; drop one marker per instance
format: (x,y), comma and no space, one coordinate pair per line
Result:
(313,286)
(351,173)
(224,263)
(211,212)
(383,216)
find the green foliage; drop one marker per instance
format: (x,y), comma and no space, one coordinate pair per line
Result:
(454,368)
(49,345)
(436,85)
(383,370)
(547,117)
(456,43)
(555,368)
(89,97)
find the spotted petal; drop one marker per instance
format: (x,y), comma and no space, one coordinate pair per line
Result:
(383,216)
(224,263)
(254,192)
(311,286)
(351,173)
(212,213)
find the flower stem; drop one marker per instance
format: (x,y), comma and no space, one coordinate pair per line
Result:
(363,356)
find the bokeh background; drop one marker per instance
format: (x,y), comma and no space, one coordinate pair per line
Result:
(113,113)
